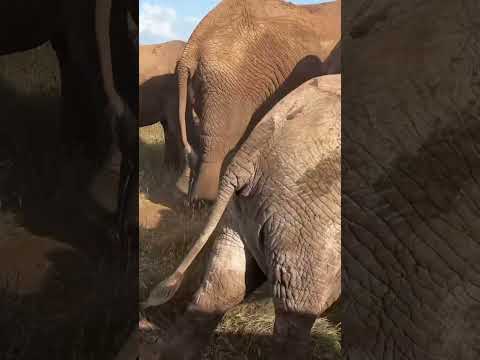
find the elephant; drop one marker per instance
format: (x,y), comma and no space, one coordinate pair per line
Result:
(410,181)
(277,218)
(241,59)
(158,97)
(97,81)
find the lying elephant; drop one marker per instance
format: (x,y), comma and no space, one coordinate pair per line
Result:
(277,217)
(158,97)
(240,60)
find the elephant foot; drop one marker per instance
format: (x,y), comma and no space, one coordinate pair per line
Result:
(121,244)
(153,351)
(114,234)
(292,336)
(188,337)
(183,181)
(174,350)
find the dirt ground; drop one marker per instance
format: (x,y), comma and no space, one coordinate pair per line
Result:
(65,288)
(167,228)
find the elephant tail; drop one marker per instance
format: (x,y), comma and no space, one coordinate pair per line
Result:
(165,291)
(183,75)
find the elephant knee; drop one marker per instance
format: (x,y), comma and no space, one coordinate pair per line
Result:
(220,294)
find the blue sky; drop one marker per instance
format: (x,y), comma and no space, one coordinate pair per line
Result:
(164,20)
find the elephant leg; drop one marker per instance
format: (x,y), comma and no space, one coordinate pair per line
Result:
(301,293)
(122,195)
(70,98)
(109,128)
(291,336)
(175,143)
(98,120)
(128,185)
(231,274)
(171,160)
(74,136)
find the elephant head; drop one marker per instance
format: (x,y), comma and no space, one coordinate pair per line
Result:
(241,60)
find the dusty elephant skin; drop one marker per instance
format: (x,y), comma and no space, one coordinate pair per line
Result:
(411,181)
(80,36)
(281,196)
(158,97)
(242,58)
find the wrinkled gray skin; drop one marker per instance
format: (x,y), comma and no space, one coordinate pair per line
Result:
(411,181)
(242,58)
(158,98)
(282,224)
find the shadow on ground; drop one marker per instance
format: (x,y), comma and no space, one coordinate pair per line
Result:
(245,331)
(66,290)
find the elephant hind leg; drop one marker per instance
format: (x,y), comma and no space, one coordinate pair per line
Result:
(231,274)
(291,336)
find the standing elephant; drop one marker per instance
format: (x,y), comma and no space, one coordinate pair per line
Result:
(90,63)
(241,59)
(158,96)
(411,181)
(277,217)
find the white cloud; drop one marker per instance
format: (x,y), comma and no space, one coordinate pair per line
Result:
(157,22)
(191,19)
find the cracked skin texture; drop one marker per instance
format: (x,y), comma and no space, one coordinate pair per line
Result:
(293,191)
(242,58)
(411,181)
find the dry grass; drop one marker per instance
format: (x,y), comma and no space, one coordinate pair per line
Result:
(167,227)
(245,331)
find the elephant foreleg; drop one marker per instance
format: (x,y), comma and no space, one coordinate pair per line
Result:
(291,336)
(72,100)
(128,175)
